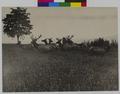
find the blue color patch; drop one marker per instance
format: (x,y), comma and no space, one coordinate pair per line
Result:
(53,4)
(40,4)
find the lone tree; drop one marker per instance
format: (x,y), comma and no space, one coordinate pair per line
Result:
(17,23)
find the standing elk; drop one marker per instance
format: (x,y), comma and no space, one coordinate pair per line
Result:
(59,43)
(45,41)
(34,41)
(68,43)
(49,45)
(53,45)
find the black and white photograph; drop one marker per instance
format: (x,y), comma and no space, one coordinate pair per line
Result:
(59,49)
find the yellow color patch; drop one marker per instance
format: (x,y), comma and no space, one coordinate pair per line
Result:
(74,4)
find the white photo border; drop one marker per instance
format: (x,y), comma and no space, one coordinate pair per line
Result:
(33,3)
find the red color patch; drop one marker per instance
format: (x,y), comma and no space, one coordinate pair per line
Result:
(84,4)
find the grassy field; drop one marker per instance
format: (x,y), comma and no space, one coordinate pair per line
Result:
(31,70)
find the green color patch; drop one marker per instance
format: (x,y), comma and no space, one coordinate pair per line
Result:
(64,4)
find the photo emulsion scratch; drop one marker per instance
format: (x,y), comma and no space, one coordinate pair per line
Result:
(59,49)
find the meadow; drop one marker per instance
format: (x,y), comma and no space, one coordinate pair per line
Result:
(29,70)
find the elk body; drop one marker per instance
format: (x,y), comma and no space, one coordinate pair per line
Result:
(34,41)
(67,43)
(49,45)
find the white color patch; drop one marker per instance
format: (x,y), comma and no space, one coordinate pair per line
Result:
(59,0)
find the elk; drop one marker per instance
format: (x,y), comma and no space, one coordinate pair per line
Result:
(59,43)
(50,40)
(49,43)
(53,45)
(67,42)
(69,39)
(34,41)
(45,41)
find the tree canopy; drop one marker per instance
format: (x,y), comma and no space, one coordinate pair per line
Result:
(17,23)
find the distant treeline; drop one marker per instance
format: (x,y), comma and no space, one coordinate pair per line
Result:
(100,42)
(98,46)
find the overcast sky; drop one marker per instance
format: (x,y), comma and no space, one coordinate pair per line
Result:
(83,23)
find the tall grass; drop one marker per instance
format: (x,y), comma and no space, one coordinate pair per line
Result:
(27,70)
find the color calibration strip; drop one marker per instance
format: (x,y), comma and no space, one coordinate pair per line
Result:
(62,3)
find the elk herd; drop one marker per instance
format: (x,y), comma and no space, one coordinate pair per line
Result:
(63,43)
(66,43)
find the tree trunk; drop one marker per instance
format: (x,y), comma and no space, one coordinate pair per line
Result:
(18,41)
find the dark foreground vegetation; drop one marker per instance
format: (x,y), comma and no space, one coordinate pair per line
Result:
(27,70)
